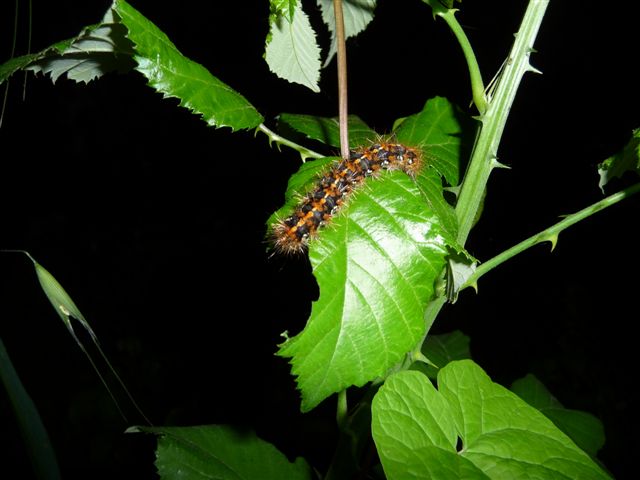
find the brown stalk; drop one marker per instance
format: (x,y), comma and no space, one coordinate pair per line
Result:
(342,80)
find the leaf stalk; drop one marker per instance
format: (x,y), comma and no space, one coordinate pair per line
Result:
(477,85)
(550,234)
(279,140)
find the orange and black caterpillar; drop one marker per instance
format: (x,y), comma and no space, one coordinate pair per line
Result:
(291,235)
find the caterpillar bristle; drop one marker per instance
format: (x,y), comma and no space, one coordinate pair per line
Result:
(291,235)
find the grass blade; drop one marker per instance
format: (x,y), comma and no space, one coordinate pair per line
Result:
(34,434)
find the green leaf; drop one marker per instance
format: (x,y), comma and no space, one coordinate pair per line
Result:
(174,75)
(125,38)
(357,15)
(443,349)
(628,160)
(375,264)
(430,184)
(327,129)
(460,267)
(291,49)
(15,65)
(438,129)
(220,452)
(415,428)
(283,7)
(583,428)
(96,50)
(533,391)
(38,445)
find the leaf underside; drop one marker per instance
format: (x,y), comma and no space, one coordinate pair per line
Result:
(291,50)
(125,40)
(357,15)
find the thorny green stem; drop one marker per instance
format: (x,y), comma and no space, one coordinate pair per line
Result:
(483,159)
(274,137)
(550,234)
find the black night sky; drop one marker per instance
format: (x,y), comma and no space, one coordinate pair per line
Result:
(154,223)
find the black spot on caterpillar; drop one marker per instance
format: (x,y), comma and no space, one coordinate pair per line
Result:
(292,234)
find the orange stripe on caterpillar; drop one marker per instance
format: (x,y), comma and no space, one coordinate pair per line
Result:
(292,234)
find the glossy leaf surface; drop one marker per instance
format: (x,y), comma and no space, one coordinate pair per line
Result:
(439,128)
(375,264)
(174,75)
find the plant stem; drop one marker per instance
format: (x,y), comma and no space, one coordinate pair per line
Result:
(342,80)
(274,137)
(29,35)
(550,234)
(493,121)
(495,117)
(342,410)
(477,86)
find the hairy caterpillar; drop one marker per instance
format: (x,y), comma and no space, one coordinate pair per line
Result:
(291,235)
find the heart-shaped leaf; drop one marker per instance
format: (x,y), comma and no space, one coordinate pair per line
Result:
(416,428)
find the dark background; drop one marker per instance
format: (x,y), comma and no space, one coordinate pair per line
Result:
(154,223)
